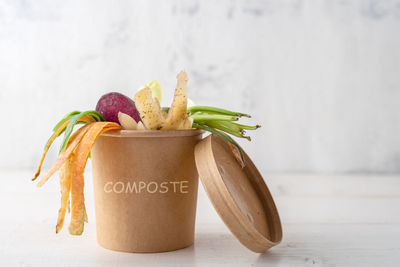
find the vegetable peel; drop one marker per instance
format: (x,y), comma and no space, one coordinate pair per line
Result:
(77,169)
(149,109)
(65,183)
(57,132)
(178,111)
(63,156)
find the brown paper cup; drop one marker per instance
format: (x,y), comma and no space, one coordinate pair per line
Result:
(145,187)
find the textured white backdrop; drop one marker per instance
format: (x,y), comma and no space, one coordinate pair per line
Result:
(322,77)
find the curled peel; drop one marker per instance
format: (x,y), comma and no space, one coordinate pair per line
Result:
(73,162)
(149,109)
(77,168)
(63,161)
(53,137)
(64,155)
(65,183)
(177,114)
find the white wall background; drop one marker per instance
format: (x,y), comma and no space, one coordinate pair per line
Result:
(322,77)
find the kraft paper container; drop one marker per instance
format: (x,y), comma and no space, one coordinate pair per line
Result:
(145,187)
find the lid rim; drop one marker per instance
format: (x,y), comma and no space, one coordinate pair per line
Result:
(232,206)
(226,206)
(152,133)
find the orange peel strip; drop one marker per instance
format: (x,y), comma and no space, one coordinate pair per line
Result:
(65,183)
(77,168)
(53,137)
(65,154)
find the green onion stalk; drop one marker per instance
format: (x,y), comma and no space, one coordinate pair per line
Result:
(221,122)
(74,118)
(220,119)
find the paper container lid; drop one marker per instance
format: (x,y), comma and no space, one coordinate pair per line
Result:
(239,195)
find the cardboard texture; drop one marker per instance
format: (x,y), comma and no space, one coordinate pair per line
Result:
(145,187)
(239,195)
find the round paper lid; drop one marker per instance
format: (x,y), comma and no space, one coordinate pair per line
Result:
(239,195)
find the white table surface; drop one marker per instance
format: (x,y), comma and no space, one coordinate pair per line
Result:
(327,221)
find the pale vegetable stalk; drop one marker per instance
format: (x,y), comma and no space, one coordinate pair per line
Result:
(126,121)
(140,126)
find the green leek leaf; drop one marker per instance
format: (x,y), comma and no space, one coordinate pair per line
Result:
(73,121)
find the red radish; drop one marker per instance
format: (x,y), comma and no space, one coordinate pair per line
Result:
(110,104)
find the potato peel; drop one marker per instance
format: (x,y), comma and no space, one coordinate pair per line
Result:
(149,109)
(177,114)
(186,124)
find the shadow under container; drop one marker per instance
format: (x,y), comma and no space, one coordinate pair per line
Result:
(145,188)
